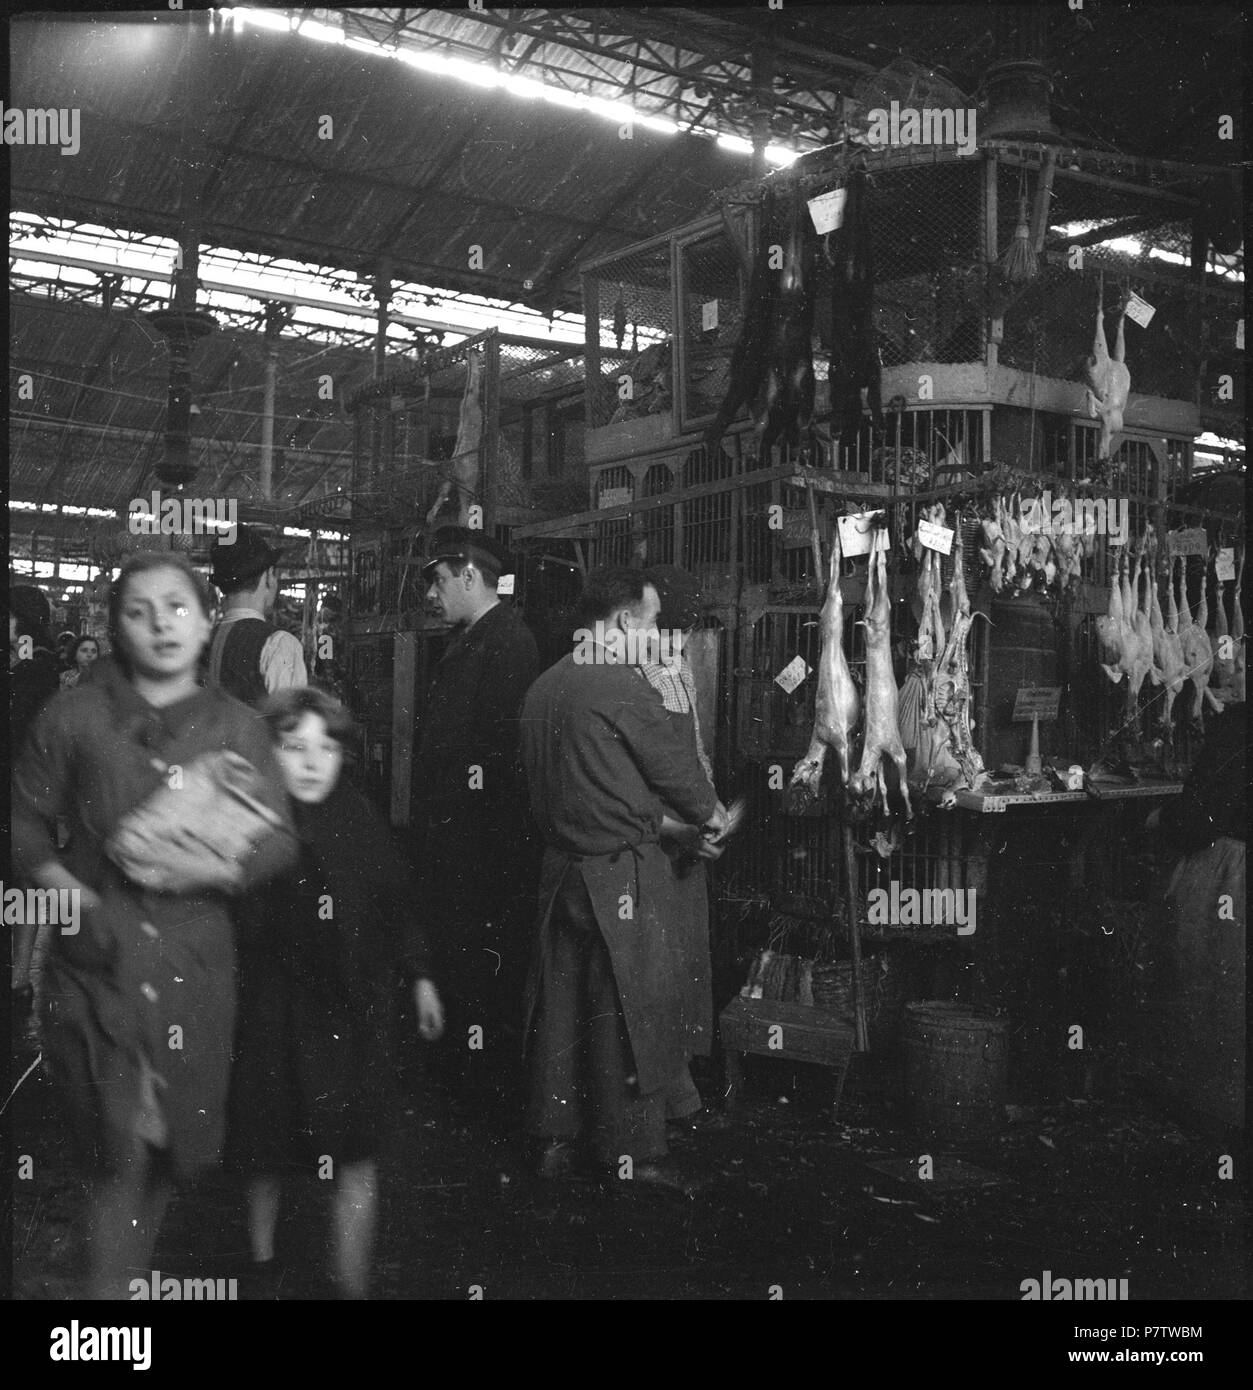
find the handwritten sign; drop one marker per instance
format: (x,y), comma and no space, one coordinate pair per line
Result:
(935,537)
(1190,541)
(827,210)
(793,674)
(1140,310)
(860,534)
(614,497)
(797,531)
(1036,702)
(504,585)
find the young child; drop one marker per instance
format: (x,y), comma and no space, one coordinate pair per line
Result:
(139,999)
(320,953)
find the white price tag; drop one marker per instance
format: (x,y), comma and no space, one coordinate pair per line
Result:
(858,534)
(708,315)
(1140,310)
(792,674)
(1240,334)
(1225,564)
(827,210)
(504,585)
(935,537)
(614,497)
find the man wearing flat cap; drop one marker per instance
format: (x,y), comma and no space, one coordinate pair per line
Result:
(478,862)
(250,656)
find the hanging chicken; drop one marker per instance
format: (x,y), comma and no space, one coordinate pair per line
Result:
(837,704)
(1167,651)
(1198,656)
(1126,635)
(1237,633)
(1109,381)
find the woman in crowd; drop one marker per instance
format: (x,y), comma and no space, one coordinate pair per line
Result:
(139,996)
(83,657)
(33,679)
(321,950)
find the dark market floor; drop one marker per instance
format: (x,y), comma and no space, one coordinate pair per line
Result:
(823,1207)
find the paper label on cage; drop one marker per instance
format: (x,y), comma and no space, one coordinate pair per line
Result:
(1140,310)
(1240,335)
(614,497)
(935,537)
(708,315)
(1191,541)
(858,534)
(1225,565)
(827,210)
(504,585)
(792,674)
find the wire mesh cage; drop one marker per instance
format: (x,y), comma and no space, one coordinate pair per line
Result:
(629,311)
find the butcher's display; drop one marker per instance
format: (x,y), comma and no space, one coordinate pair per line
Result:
(837,703)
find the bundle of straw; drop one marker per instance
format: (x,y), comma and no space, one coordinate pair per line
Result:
(1018,263)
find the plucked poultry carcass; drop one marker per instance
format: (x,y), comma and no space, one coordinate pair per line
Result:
(951,700)
(992,550)
(1069,549)
(1224,668)
(882,729)
(462,476)
(927,738)
(837,703)
(1198,656)
(1109,381)
(1237,632)
(1167,651)
(1126,636)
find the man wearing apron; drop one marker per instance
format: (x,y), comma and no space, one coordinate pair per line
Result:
(606,1030)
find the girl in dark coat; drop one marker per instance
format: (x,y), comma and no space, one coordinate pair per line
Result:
(320,950)
(139,991)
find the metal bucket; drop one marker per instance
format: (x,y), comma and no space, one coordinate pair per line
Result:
(955,1069)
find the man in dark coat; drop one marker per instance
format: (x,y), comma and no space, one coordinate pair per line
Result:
(477,852)
(603,758)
